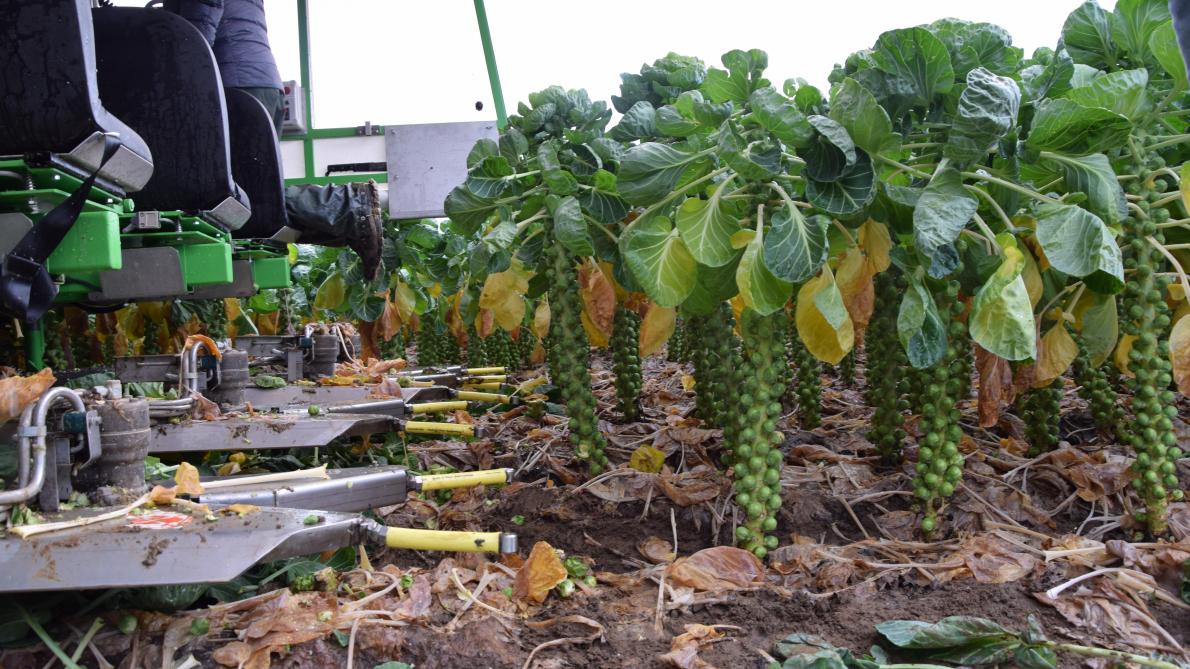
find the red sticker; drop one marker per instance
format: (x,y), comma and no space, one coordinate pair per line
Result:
(159,520)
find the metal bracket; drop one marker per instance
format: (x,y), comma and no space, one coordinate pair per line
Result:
(93,443)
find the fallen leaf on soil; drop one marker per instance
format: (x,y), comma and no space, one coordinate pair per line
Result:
(627,485)
(717,568)
(646,459)
(683,650)
(698,485)
(542,571)
(186,480)
(1103,611)
(993,560)
(656,549)
(17,392)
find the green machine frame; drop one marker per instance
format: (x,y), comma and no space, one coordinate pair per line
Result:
(313,133)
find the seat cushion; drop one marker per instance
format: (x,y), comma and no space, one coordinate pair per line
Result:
(256,164)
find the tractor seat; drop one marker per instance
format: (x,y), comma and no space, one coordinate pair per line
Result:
(256,164)
(50,107)
(157,72)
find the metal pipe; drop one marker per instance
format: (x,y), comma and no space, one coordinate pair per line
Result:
(489,56)
(23,450)
(34,428)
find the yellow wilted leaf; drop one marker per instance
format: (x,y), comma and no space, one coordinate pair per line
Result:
(541,320)
(610,273)
(656,328)
(876,243)
(18,392)
(331,293)
(1032,277)
(435,290)
(646,459)
(405,300)
(504,294)
(531,385)
(737,310)
(1055,353)
(854,279)
(454,319)
(186,480)
(741,238)
(822,320)
(687,382)
(542,570)
(599,299)
(1179,354)
(1122,351)
(390,321)
(485,323)
(1184,176)
(596,336)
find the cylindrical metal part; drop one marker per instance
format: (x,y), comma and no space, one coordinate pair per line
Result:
(326,354)
(124,434)
(233,378)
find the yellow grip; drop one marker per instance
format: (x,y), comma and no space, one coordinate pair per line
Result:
(437,407)
(483,386)
(421,384)
(479,371)
(490,378)
(462,479)
(473,396)
(424,427)
(440,540)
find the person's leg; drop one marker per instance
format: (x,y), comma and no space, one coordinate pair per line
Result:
(273,100)
(339,215)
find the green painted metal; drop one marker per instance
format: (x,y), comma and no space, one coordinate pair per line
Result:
(362,177)
(303,11)
(332,133)
(270,272)
(205,264)
(35,347)
(92,245)
(489,55)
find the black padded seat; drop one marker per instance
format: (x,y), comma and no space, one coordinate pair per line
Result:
(49,99)
(256,164)
(157,72)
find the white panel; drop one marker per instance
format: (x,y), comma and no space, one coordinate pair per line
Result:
(292,160)
(347,150)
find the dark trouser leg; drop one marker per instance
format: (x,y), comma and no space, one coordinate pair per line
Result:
(273,100)
(339,215)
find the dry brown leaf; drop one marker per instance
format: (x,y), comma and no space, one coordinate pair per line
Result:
(993,560)
(1105,612)
(656,550)
(162,496)
(995,385)
(1179,353)
(542,571)
(204,409)
(599,297)
(17,392)
(186,480)
(698,485)
(717,568)
(683,650)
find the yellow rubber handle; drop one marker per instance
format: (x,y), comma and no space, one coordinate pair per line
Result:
(423,427)
(437,407)
(479,371)
(462,479)
(490,378)
(439,540)
(483,386)
(472,396)
(421,384)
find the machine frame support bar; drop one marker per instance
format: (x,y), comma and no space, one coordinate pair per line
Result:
(489,55)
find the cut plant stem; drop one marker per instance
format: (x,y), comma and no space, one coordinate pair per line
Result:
(978,176)
(1165,251)
(47,639)
(1117,654)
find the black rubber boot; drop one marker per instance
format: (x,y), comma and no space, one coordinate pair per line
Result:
(340,215)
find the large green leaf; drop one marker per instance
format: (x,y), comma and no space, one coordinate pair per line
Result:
(1076,242)
(949,632)
(603,201)
(920,327)
(831,153)
(917,64)
(1099,325)
(1002,315)
(1133,22)
(943,210)
(758,159)
(1065,126)
(1087,34)
(570,227)
(986,112)
(639,122)
(1051,79)
(973,45)
(1122,91)
(847,195)
(760,290)
(713,286)
(777,114)
(795,247)
(659,260)
(650,171)
(706,226)
(856,109)
(1094,176)
(484,148)
(743,75)
(1164,45)
(468,211)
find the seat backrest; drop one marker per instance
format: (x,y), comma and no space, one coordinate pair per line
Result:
(256,164)
(49,97)
(158,73)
